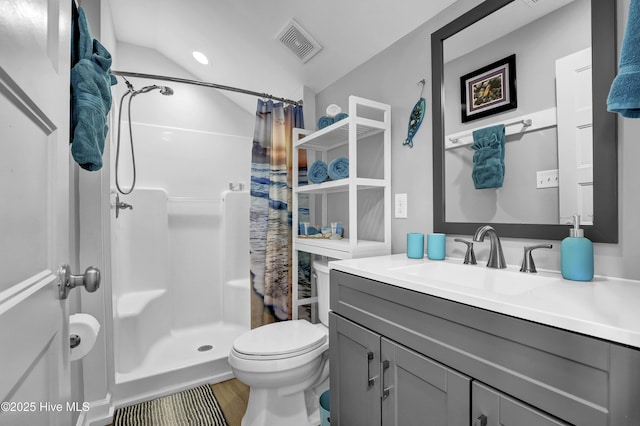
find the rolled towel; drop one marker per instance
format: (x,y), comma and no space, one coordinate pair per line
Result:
(339,168)
(317,172)
(340,116)
(624,95)
(324,121)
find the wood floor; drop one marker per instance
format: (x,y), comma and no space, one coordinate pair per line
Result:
(232,396)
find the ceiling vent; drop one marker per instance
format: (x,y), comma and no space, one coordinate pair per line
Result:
(298,41)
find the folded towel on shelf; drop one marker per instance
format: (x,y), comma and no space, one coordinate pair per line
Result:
(317,172)
(324,121)
(91,82)
(624,95)
(488,158)
(339,168)
(340,116)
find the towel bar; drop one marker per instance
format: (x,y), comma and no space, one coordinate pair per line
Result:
(526,122)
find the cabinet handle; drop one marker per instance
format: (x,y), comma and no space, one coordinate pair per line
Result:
(480,421)
(385,390)
(369,378)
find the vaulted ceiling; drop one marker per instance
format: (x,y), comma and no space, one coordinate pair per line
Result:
(240,37)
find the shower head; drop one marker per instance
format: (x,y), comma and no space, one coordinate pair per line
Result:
(164,90)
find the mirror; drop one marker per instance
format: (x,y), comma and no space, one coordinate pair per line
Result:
(518,208)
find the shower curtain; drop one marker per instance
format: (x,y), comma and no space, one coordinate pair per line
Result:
(271,215)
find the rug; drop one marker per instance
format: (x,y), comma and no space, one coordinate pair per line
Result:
(192,407)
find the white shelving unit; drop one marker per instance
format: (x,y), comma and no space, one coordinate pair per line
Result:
(366,119)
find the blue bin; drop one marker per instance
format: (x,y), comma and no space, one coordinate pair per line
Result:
(324,409)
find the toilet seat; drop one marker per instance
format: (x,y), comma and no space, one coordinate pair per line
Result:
(280,340)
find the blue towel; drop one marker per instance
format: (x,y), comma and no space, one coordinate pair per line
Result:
(317,172)
(624,95)
(90,96)
(324,121)
(340,116)
(488,160)
(339,168)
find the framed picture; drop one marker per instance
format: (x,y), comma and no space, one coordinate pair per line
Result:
(489,90)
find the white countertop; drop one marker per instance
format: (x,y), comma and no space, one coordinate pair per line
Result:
(607,308)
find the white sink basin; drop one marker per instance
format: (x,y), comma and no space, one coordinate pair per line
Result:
(509,281)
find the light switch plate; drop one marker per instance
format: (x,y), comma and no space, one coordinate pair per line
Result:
(547,179)
(401,206)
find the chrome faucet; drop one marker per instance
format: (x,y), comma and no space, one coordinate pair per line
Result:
(496,257)
(470,256)
(527,261)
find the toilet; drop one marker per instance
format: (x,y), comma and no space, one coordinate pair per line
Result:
(286,365)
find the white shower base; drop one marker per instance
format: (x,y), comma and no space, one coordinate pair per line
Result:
(180,350)
(174,363)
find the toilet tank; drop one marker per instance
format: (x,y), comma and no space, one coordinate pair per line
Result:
(321,274)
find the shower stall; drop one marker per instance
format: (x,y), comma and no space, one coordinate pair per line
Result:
(179,244)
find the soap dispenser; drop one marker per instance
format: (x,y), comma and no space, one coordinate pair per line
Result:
(576,254)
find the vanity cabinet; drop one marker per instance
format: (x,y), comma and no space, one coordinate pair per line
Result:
(401,357)
(490,407)
(381,382)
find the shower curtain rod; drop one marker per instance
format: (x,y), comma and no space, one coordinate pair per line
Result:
(204,83)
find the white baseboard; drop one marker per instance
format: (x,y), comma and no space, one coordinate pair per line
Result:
(100,413)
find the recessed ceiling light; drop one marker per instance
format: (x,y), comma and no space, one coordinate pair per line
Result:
(200,57)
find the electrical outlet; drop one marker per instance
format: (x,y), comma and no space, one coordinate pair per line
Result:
(401,206)
(547,179)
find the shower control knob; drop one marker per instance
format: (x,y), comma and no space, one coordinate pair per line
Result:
(66,281)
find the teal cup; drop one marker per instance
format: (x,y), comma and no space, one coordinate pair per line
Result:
(436,246)
(415,245)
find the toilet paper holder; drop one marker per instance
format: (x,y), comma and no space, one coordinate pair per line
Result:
(66,280)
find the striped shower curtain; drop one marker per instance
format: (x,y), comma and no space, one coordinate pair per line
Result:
(271,215)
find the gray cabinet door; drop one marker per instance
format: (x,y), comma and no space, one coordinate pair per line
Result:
(355,373)
(492,408)
(419,391)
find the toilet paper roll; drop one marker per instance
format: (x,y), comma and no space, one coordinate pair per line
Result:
(86,327)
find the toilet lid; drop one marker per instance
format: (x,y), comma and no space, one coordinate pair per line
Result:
(280,340)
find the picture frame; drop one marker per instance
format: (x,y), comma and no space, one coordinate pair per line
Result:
(489,90)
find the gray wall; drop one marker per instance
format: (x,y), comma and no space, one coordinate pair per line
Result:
(392,77)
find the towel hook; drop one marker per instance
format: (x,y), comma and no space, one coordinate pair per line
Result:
(423,83)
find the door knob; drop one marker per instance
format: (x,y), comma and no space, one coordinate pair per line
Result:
(66,280)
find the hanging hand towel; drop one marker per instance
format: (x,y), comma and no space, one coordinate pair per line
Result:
(339,168)
(317,172)
(488,158)
(90,96)
(624,96)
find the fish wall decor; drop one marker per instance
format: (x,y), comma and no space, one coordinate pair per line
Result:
(415,119)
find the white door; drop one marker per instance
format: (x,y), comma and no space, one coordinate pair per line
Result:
(575,136)
(34,211)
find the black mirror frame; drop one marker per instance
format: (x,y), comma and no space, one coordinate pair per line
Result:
(605,147)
